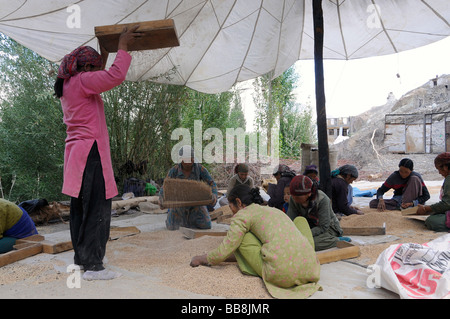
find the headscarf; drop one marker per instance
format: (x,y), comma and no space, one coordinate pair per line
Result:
(78,57)
(346,169)
(442,159)
(284,170)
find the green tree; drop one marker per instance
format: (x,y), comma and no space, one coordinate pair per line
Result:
(276,108)
(32,132)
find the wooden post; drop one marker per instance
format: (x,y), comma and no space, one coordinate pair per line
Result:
(322,134)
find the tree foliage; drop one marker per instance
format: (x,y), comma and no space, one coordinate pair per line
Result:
(141,117)
(277,108)
(32,131)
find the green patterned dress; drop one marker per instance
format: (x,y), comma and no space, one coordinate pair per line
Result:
(284,257)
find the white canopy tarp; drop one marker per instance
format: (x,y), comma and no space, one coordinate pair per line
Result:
(223,42)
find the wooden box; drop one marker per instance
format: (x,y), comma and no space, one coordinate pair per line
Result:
(156,35)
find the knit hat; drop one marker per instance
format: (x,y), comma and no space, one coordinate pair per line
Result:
(301,185)
(311,168)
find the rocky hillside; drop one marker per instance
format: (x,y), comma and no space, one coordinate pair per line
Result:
(366,149)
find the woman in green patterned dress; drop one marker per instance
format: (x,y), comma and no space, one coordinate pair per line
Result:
(267,243)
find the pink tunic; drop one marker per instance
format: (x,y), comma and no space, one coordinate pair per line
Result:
(84,116)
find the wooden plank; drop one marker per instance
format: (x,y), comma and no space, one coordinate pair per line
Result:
(409,211)
(364,231)
(15,255)
(157,34)
(196,233)
(328,256)
(421,218)
(49,247)
(134,202)
(33,238)
(215,214)
(119,232)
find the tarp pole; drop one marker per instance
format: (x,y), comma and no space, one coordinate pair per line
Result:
(322,132)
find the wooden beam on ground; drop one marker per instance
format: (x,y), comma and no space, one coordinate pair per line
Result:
(196,233)
(119,232)
(134,202)
(48,247)
(25,250)
(332,255)
(364,231)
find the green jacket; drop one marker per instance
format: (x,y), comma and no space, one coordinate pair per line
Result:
(10,214)
(320,222)
(444,205)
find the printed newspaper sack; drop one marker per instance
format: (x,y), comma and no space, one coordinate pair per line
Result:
(417,271)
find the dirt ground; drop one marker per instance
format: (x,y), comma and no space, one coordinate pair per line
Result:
(155,263)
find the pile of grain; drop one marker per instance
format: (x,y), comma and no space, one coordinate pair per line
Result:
(408,230)
(168,254)
(32,274)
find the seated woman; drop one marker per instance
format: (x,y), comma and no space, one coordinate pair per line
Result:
(195,216)
(342,191)
(283,174)
(314,205)
(439,220)
(240,177)
(409,189)
(267,243)
(312,172)
(15,223)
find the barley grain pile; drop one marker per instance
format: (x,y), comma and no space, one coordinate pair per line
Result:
(168,254)
(408,230)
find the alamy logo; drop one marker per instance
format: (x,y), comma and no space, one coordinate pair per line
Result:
(374,278)
(373,20)
(234,149)
(73,21)
(74,279)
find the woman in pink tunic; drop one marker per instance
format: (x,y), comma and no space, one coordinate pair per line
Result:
(88,172)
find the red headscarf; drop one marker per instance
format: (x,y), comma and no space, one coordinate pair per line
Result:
(80,56)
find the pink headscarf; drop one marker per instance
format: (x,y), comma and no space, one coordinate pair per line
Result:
(80,56)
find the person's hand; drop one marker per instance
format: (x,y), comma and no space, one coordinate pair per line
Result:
(199,260)
(381,205)
(406,205)
(423,210)
(128,36)
(214,200)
